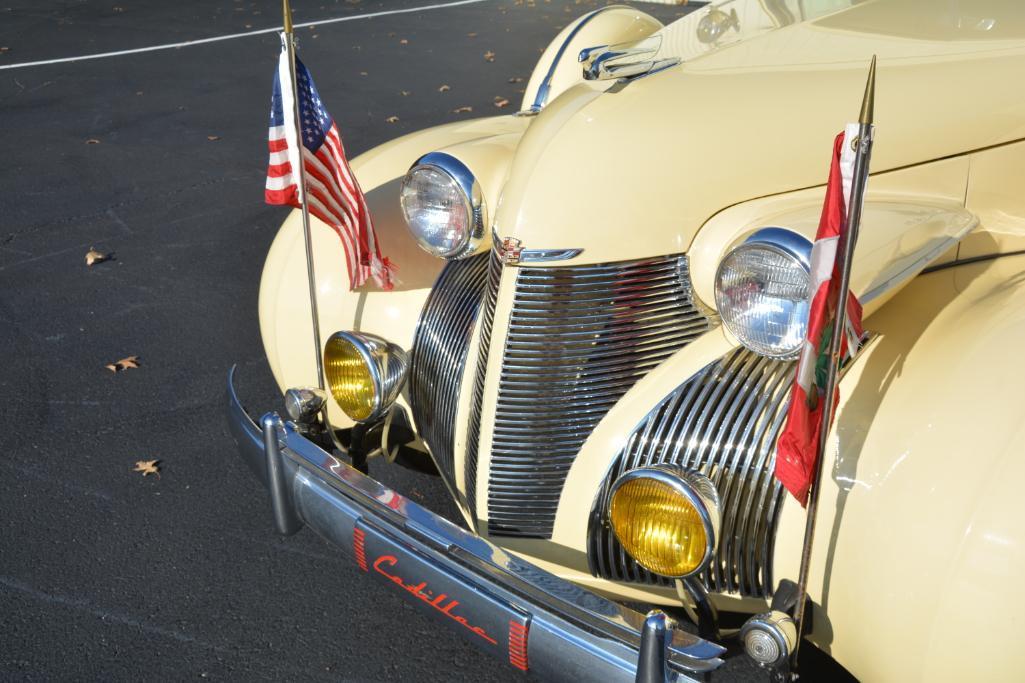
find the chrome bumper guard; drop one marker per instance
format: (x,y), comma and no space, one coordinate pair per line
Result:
(508,607)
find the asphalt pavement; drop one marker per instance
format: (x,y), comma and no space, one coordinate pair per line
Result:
(157,159)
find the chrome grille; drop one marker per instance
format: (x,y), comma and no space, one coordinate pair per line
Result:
(723,422)
(440,347)
(578,339)
(473,431)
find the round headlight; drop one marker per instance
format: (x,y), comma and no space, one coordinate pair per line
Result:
(761,291)
(364,373)
(666,518)
(443,206)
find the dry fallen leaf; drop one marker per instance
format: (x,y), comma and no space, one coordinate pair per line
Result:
(405,93)
(123,364)
(460,110)
(92,141)
(212,138)
(444,88)
(93,257)
(489,56)
(501,102)
(148,467)
(392,119)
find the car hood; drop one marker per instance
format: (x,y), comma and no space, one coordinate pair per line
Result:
(634,170)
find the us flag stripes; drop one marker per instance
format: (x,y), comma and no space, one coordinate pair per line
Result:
(798,448)
(334,194)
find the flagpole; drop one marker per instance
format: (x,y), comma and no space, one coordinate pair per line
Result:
(307,236)
(863,153)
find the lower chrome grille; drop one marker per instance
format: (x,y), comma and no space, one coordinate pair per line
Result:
(440,347)
(579,338)
(723,422)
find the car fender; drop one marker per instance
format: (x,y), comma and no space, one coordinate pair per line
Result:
(285,319)
(920,541)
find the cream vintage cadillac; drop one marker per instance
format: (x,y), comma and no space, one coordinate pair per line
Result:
(557,334)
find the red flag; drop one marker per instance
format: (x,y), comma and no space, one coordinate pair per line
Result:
(798,447)
(334,195)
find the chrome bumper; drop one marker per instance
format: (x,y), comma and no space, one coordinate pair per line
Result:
(510,608)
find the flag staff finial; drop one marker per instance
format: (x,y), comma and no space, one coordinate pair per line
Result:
(287,10)
(867,104)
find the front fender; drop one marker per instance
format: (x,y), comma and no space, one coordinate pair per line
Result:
(921,541)
(284,299)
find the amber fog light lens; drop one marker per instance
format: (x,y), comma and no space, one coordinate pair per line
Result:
(365,373)
(666,518)
(349,378)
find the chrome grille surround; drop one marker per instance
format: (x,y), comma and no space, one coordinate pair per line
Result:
(579,338)
(494,279)
(723,422)
(440,347)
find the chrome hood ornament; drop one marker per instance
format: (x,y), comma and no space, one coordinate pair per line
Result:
(625,60)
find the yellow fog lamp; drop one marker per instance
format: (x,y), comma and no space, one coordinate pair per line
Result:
(364,373)
(666,518)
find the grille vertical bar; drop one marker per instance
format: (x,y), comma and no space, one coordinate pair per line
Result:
(473,430)
(723,422)
(579,338)
(440,347)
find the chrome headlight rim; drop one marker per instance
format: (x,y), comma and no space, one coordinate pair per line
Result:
(371,348)
(786,243)
(699,491)
(473,202)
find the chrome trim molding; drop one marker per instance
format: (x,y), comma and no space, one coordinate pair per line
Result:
(441,344)
(484,347)
(560,626)
(467,182)
(542,255)
(541,99)
(723,422)
(511,252)
(578,339)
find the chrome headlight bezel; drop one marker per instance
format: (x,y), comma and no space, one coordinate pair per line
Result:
(473,204)
(789,245)
(696,488)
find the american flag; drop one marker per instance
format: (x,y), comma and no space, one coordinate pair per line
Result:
(334,194)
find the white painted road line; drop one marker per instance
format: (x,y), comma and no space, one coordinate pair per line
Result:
(232,36)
